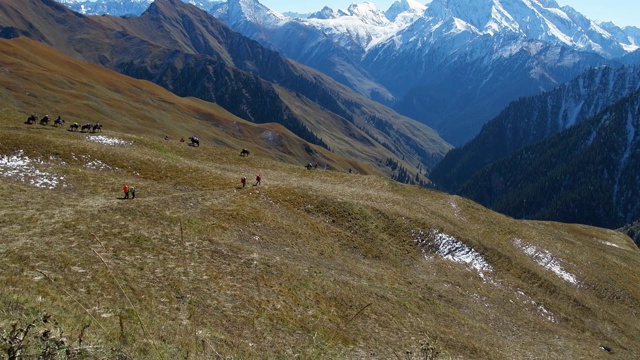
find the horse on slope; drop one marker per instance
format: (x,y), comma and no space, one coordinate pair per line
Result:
(194,141)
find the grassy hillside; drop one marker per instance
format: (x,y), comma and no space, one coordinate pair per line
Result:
(309,264)
(37,79)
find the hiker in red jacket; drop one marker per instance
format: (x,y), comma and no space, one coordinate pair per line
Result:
(243,180)
(125,188)
(258,179)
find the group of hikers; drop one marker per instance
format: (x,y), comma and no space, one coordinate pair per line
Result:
(243,180)
(129,191)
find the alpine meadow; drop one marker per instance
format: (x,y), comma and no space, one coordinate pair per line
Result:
(354,257)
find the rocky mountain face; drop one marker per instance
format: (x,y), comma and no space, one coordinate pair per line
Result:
(533,119)
(587,174)
(187,51)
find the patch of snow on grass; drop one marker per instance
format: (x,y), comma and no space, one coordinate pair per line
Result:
(98,165)
(456,209)
(22,168)
(540,309)
(92,163)
(546,259)
(608,243)
(451,249)
(106,140)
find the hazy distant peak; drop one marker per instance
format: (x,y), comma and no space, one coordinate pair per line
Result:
(325,13)
(404,7)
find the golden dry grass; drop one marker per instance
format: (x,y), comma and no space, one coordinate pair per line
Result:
(309,264)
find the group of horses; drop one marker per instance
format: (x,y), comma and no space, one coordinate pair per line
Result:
(45,120)
(88,127)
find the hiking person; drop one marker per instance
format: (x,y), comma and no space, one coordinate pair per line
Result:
(258,179)
(132,191)
(243,180)
(125,188)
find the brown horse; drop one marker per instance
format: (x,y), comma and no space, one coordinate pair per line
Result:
(74,127)
(96,127)
(86,126)
(32,119)
(44,120)
(244,152)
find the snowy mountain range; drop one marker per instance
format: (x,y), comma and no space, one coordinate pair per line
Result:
(453,64)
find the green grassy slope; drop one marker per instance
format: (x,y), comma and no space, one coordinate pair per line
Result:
(310,264)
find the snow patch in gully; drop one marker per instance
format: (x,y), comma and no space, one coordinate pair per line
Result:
(547,260)
(452,249)
(434,242)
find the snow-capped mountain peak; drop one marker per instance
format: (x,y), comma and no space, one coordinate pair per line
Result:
(325,13)
(255,12)
(239,12)
(368,13)
(363,25)
(541,20)
(409,9)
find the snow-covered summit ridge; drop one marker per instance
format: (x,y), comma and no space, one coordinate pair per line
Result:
(247,11)
(407,8)
(542,20)
(363,23)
